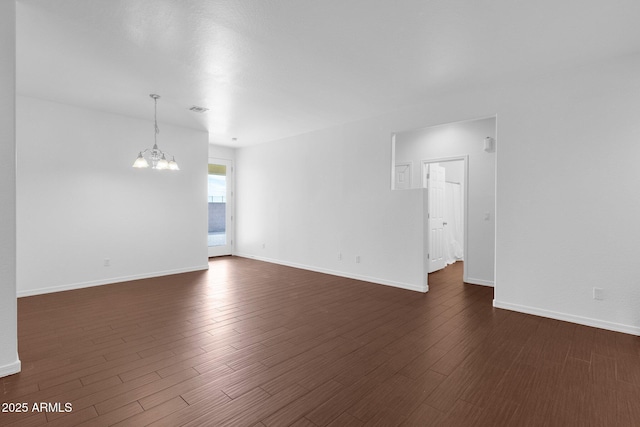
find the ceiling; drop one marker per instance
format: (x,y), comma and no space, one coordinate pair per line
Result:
(269,69)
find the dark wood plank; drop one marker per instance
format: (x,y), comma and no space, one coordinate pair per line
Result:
(258,344)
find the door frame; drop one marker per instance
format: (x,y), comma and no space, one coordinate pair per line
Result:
(465,206)
(227,249)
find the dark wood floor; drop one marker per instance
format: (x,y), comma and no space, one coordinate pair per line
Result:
(255,344)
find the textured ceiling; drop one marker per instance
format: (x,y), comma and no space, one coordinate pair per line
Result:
(269,69)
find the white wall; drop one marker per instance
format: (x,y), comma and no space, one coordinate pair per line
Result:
(311,198)
(566,212)
(462,139)
(221,152)
(9,362)
(80,201)
(567,202)
(454,171)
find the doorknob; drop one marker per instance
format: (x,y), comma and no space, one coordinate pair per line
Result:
(444,223)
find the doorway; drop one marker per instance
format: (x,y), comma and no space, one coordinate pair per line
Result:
(446,182)
(459,141)
(220,207)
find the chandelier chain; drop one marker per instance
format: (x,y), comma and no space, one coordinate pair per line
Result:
(155,117)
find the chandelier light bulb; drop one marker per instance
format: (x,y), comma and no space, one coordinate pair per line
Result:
(141,162)
(173,165)
(162,163)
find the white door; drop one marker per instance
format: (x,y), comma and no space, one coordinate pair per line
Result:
(435,179)
(220,205)
(403,176)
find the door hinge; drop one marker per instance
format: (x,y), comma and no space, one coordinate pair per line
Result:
(231,217)
(428,255)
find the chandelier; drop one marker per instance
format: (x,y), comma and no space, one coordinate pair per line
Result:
(155,156)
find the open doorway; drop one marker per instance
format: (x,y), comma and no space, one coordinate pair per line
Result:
(446,184)
(220,207)
(471,142)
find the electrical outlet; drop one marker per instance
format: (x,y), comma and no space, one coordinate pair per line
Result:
(264,245)
(357,259)
(339,256)
(107,262)
(598,294)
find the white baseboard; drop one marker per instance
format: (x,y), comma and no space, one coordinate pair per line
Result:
(108,281)
(401,285)
(587,321)
(10,369)
(480,282)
